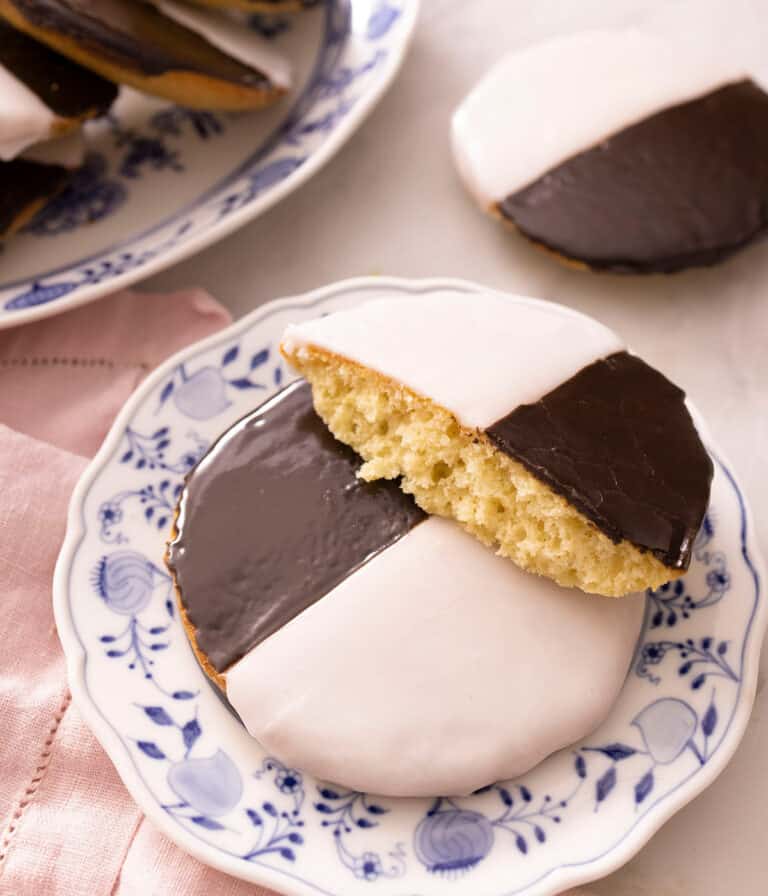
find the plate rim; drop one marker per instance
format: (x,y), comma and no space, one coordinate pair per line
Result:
(555,880)
(239,218)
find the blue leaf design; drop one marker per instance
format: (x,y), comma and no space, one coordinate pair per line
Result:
(244,383)
(116,653)
(722,647)
(107,639)
(158,629)
(287,853)
(260,358)
(183,695)
(506,796)
(273,172)
(150,749)
(377,810)
(644,786)
(296,838)
(158,715)
(706,643)
(254,816)
(324,808)
(278,375)
(158,646)
(685,668)
(617,752)
(208,823)
(230,355)
(525,793)
(327,794)
(165,392)
(149,512)
(365,823)
(381,21)
(126,457)
(539,832)
(581,766)
(169,608)
(698,681)
(190,732)
(605,784)
(159,433)
(269,809)
(521,844)
(709,722)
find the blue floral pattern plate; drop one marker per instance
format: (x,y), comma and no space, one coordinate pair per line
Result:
(161,183)
(208,786)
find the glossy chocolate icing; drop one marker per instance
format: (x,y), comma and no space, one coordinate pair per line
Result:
(23,184)
(271,520)
(135,36)
(67,89)
(616,440)
(687,186)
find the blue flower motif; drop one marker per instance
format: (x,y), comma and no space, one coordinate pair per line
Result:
(212,786)
(110,514)
(124,579)
(653,653)
(453,841)
(367,866)
(718,580)
(288,780)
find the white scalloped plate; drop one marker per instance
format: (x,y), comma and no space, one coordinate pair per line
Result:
(161,183)
(207,785)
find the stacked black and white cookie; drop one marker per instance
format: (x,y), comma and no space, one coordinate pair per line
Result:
(620,151)
(372,644)
(61,59)
(530,424)
(44,99)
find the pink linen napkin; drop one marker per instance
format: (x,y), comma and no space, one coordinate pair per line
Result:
(69,826)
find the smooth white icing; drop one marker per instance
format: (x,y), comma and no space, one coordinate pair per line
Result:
(24,117)
(232,37)
(435,669)
(479,355)
(536,108)
(68,151)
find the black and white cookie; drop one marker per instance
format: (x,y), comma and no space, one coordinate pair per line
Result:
(366,643)
(182,53)
(620,151)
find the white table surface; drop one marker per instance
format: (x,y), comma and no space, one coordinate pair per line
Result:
(390,203)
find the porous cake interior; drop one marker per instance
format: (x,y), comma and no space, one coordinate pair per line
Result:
(456,472)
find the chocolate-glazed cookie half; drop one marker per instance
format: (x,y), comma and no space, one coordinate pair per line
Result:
(71,92)
(270,520)
(684,188)
(612,440)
